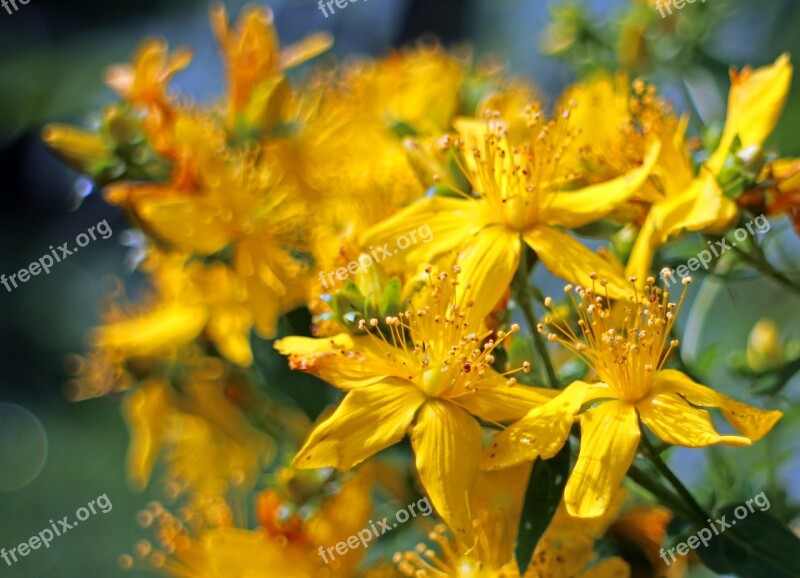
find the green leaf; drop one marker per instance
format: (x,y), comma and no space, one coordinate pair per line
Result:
(542,497)
(309,393)
(758,545)
(392,298)
(402,129)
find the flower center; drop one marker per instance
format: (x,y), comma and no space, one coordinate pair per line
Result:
(623,347)
(434,344)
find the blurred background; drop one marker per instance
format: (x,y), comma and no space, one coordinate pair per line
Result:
(52,58)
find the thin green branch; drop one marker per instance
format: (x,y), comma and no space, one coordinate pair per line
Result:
(522,293)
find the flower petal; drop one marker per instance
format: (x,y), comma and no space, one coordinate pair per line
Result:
(748,420)
(153,333)
(345,361)
(609,439)
(755,103)
(188,223)
(676,422)
(236,552)
(450,222)
(544,430)
(146,410)
(368,420)
(578,208)
(305,49)
(567,258)
(488,265)
(701,207)
(274,280)
(492,400)
(447,442)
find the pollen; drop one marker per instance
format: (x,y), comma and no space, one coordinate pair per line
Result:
(517,171)
(624,357)
(433,343)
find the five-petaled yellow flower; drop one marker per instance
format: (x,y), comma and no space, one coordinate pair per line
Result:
(428,369)
(522,191)
(633,386)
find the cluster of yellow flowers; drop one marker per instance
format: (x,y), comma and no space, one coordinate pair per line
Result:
(246,204)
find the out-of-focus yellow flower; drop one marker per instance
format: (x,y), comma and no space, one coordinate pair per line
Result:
(521,192)
(186,549)
(144,82)
(191,299)
(204,438)
(254,61)
(353,152)
(632,386)
(565,550)
(208,540)
(416,87)
(242,206)
(428,371)
(781,193)
(144,85)
(644,528)
(342,516)
(188,301)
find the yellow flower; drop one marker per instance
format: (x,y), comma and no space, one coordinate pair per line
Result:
(565,550)
(418,87)
(194,548)
(145,82)
(697,203)
(188,302)
(353,156)
(205,438)
(633,386)
(144,85)
(783,196)
(254,61)
(241,205)
(209,538)
(523,192)
(755,103)
(428,369)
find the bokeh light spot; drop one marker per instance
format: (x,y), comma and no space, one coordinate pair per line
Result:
(23,447)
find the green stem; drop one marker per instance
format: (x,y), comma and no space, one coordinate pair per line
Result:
(666,497)
(699,513)
(758,260)
(523,298)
